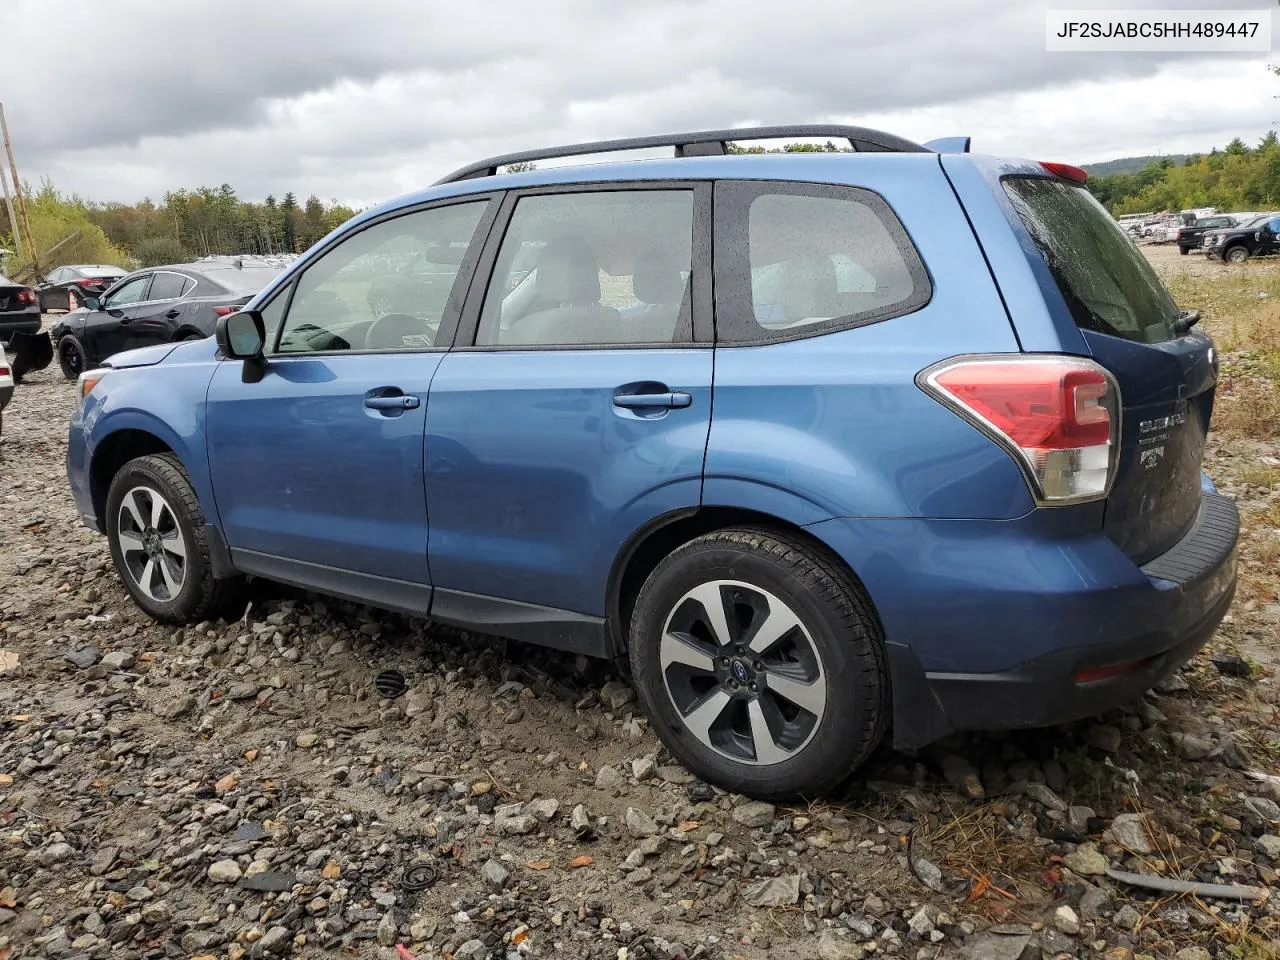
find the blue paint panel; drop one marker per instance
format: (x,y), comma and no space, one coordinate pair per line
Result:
(303,469)
(837,421)
(535,479)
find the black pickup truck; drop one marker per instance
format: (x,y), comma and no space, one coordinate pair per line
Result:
(1190,237)
(1258,237)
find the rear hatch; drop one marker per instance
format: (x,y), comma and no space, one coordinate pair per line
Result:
(1132,327)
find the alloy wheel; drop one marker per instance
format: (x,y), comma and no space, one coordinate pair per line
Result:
(151,544)
(743,672)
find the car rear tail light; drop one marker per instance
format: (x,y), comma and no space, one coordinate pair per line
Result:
(1059,417)
(4,371)
(26,296)
(223,311)
(1109,672)
(1066,171)
(92,282)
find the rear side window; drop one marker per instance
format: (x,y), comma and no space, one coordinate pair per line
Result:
(167,286)
(797,259)
(1107,283)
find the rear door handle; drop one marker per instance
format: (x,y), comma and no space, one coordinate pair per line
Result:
(406,402)
(650,401)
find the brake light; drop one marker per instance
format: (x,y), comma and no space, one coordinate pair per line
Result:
(26,296)
(1066,171)
(223,311)
(4,371)
(1057,416)
(92,282)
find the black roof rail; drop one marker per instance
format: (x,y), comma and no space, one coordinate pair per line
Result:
(701,143)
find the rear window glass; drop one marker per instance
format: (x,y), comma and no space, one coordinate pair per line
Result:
(817,258)
(244,281)
(1107,283)
(99,271)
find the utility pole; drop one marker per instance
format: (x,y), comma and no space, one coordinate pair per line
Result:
(13,220)
(17,189)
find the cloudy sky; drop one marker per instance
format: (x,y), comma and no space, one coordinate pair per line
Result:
(363,100)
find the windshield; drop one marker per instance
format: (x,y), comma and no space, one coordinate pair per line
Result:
(1107,283)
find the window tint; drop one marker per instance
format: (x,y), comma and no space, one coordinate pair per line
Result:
(167,286)
(272,314)
(57,276)
(603,267)
(131,292)
(384,288)
(795,260)
(821,258)
(1107,283)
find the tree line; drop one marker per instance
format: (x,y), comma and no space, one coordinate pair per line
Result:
(184,226)
(1237,177)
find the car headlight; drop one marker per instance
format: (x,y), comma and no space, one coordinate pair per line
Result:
(88,380)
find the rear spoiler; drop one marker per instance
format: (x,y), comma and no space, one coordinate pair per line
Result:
(949,145)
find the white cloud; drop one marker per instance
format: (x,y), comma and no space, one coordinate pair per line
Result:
(363,103)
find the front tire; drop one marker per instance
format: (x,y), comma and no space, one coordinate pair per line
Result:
(761,663)
(71,357)
(1184,250)
(159,544)
(1237,254)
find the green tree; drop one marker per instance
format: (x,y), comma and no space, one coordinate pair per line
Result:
(158,251)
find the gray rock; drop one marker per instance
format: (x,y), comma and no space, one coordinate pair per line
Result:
(224,871)
(642,768)
(639,824)
(511,819)
(1269,844)
(1127,918)
(1103,737)
(610,778)
(1129,830)
(922,922)
(275,940)
(1079,817)
(1087,861)
(962,775)
(388,928)
(991,945)
(495,874)
(119,660)
(1094,902)
(156,911)
(754,813)
(1191,747)
(832,947)
(1173,683)
(616,695)
(860,925)
(269,881)
(1066,921)
(55,853)
(773,892)
(579,820)
(1263,809)
(544,809)
(242,691)
(640,876)
(1042,794)
(1193,953)
(171,708)
(83,659)
(471,950)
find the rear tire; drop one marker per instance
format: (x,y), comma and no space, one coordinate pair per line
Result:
(1236,254)
(773,717)
(159,544)
(71,357)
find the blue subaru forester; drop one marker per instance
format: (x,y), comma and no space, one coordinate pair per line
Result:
(898,439)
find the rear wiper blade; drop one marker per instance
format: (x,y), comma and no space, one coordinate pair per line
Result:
(1186,320)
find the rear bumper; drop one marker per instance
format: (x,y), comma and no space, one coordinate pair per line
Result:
(1055,611)
(6,394)
(25,321)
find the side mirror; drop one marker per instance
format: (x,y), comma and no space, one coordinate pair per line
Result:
(242,336)
(93,303)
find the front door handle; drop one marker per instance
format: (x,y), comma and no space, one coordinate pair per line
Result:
(405,402)
(650,401)
(173,313)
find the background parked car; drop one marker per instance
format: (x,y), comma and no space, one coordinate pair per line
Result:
(19,309)
(1190,237)
(1253,238)
(66,288)
(159,305)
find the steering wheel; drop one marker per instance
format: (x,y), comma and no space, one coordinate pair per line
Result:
(397,331)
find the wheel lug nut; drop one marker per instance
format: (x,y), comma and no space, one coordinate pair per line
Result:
(754,689)
(757,666)
(733,684)
(724,661)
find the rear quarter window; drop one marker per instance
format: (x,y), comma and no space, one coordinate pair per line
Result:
(798,259)
(1107,283)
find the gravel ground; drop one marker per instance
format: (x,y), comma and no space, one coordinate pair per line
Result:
(240,790)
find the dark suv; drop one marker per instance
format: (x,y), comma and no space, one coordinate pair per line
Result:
(1258,237)
(823,446)
(1191,236)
